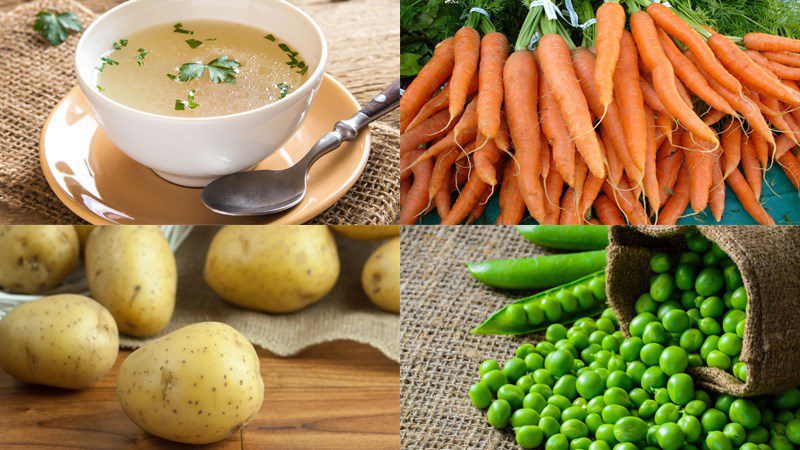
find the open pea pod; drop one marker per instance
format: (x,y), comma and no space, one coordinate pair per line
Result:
(584,297)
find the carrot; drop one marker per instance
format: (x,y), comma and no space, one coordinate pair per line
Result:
(615,167)
(438,103)
(791,167)
(664,81)
(485,159)
(780,70)
(546,157)
(554,185)
(555,130)
(471,194)
(503,139)
(732,146)
(676,27)
(651,189)
(610,25)
(751,72)
(557,69)
(512,205)
(785,58)
(628,94)
(443,199)
(713,117)
(607,211)
(591,189)
(745,195)
(444,162)
(669,161)
(770,42)
(782,120)
(627,202)
(783,145)
(462,133)
(466,52)
(678,201)
(494,51)
(751,167)
(694,80)
(427,131)
(716,197)
(663,129)
(650,96)
(480,207)
(417,197)
(429,79)
(762,152)
(521,82)
(616,150)
(699,161)
(568,215)
(581,174)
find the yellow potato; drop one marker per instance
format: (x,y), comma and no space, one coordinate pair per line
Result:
(83,234)
(277,269)
(367,232)
(36,258)
(131,271)
(66,341)
(381,276)
(196,385)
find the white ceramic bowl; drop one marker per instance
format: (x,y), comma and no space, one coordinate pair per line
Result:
(195,151)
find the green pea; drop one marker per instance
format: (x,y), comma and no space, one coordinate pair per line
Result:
(645,303)
(574,429)
(660,262)
(780,443)
(730,344)
(529,436)
(593,421)
(690,258)
(534,313)
(718,359)
(584,296)
(493,379)
(612,413)
(733,278)
(758,435)
(712,258)
(697,242)
(630,348)
(599,445)
(549,426)
(605,325)
(662,286)
(695,360)
(619,379)
(661,396)
(515,315)
(739,298)
(670,436)
(639,322)
(569,304)
(635,370)
(793,431)
(552,308)
(499,414)
(605,433)
(745,413)
(616,396)
(514,368)
(598,287)
(525,383)
(690,425)
(630,429)
(724,402)
(653,379)
(574,412)
(676,321)
(716,440)
(543,376)
(666,307)
(534,361)
(709,281)
(784,417)
(512,394)
(713,420)
(524,416)
(680,388)
(655,332)
(651,353)
(787,400)
(524,350)
(691,340)
(542,389)
(551,411)
(557,442)
(625,446)
(487,366)
(534,401)
(480,395)
(685,275)
(666,413)
(712,307)
(709,326)
(740,328)
(616,362)
(695,408)
(731,319)
(673,360)
(566,386)
(648,408)
(735,433)
(560,402)
(708,346)
(559,362)
(740,370)
(597,337)
(589,384)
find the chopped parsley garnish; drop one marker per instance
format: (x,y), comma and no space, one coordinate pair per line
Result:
(178,28)
(284,89)
(100,88)
(293,62)
(194,43)
(106,61)
(119,44)
(270,37)
(181,105)
(54,27)
(140,57)
(221,70)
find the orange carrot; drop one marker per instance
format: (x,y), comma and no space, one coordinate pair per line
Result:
(480,207)
(581,173)
(755,75)
(762,152)
(607,211)
(732,146)
(557,69)
(663,129)
(591,189)
(627,202)
(554,185)
(699,161)
(494,51)
(466,52)
(471,194)
(783,145)
(485,159)
(713,117)
(464,132)
(443,199)
(610,25)
(650,96)
(615,167)
(417,197)
(694,80)
(521,82)
(512,206)
(791,167)
(555,130)
(628,94)
(716,197)
(444,162)
(748,200)
(785,58)
(770,42)
(429,79)
(676,27)
(751,167)
(780,70)
(428,131)
(678,201)
(546,157)
(568,216)
(664,81)
(651,189)
(439,102)
(669,161)
(503,139)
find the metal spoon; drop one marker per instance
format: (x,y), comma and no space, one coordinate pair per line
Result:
(262,192)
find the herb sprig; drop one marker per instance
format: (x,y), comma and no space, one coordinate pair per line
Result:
(106,61)
(140,57)
(220,70)
(54,27)
(178,28)
(119,44)
(194,43)
(284,89)
(181,105)
(293,62)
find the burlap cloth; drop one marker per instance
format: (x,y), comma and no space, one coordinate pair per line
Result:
(769,260)
(34,76)
(345,313)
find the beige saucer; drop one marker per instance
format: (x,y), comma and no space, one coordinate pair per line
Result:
(102,185)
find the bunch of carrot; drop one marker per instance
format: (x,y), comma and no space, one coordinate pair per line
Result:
(656,117)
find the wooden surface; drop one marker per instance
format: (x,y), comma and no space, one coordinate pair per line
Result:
(335,395)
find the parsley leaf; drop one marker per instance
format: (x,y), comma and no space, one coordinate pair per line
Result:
(55,26)
(194,43)
(191,71)
(284,89)
(223,70)
(140,57)
(178,28)
(106,61)
(181,105)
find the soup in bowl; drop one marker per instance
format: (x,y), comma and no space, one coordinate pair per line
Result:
(198,89)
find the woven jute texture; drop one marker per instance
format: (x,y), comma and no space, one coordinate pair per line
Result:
(769,260)
(439,358)
(345,313)
(35,76)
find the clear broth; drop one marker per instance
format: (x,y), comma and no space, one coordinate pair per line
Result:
(265,74)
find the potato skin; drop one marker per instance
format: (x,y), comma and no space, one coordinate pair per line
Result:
(381,276)
(196,385)
(132,272)
(67,341)
(277,269)
(83,234)
(367,232)
(36,258)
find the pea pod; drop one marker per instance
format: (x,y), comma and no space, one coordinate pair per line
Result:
(537,273)
(566,237)
(563,304)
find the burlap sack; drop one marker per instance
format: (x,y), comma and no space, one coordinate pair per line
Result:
(345,313)
(35,76)
(769,260)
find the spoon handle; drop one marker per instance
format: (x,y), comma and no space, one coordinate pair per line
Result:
(347,130)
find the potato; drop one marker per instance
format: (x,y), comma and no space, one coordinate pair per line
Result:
(277,269)
(67,341)
(83,234)
(367,232)
(36,258)
(196,385)
(131,271)
(381,276)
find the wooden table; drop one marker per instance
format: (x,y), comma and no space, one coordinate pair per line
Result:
(335,395)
